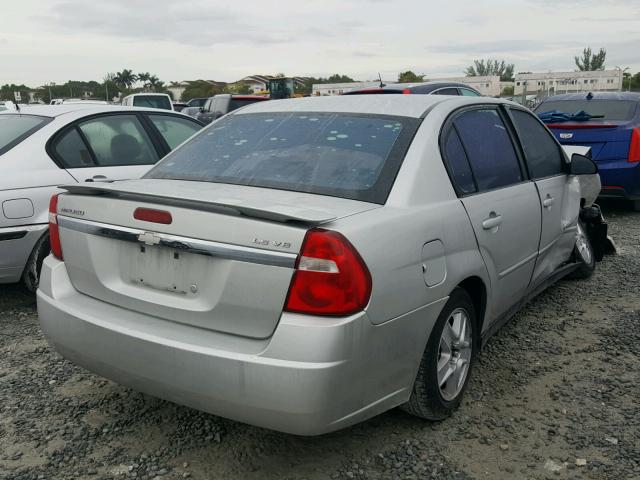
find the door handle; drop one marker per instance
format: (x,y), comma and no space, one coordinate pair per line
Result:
(547,202)
(492,222)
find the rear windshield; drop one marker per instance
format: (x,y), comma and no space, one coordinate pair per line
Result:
(337,154)
(14,128)
(611,109)
(152,101)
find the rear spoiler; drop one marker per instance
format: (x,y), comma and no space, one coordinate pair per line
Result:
(276,213)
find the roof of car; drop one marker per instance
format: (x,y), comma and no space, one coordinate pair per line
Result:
(88,109)
(597,96)
(397,105)
(430,86)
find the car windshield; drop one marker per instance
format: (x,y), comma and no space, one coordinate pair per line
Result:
(601,109)
(337,154)
(152,101)
(15,128)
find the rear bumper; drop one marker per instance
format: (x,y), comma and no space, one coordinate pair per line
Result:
(313,376)
(16,244)
(620,179)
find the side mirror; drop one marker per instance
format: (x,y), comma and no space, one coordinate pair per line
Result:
(201,109)
(581,165)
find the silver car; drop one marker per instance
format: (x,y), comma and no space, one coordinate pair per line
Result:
(45,146)
(306,264)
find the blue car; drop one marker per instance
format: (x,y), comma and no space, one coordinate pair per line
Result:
(609,123)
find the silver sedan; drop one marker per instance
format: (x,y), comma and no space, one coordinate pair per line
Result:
(306,264)
(45,146)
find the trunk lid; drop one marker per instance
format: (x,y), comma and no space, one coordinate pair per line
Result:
(224,262)
(609,141)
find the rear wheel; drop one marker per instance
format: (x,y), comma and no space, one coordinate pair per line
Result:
(583,254)
(31,274)
(446,363)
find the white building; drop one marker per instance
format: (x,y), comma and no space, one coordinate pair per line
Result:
(551,83)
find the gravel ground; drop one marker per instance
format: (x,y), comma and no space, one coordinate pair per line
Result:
(554,395)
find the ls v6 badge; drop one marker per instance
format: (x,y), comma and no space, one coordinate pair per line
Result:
(264,242)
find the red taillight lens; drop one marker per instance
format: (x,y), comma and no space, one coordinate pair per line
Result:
(634,147)
(330,278)
(54,230)
(152,215)
(406,91)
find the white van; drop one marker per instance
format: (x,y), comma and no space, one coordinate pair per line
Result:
(148,100)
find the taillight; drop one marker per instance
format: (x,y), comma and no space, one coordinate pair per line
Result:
(152,215)
(54,230)
(330,278)
(406,91)
(634,147)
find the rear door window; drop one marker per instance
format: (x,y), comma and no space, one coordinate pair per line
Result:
(458,164)
(71,151)
(465,92)
(345,155)
(174,130)
(542,153)
(15,128)
(118,140)
(446,91)
(488,145)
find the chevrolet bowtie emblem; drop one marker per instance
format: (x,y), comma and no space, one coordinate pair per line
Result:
(149,238)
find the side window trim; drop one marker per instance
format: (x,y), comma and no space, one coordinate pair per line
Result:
(158,142)
(509,109)
(84,139)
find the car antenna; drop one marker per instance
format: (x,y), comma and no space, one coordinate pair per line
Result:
(589,96)
(18,108)
(380,78)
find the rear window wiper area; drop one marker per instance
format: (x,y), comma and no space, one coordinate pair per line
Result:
(558,116)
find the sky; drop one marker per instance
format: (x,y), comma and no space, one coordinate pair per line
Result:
(44,41)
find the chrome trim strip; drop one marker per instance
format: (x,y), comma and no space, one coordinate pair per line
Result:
(185,244)
(521,263)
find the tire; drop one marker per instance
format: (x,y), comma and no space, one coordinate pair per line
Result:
(635,205)
(583,254)
(31,273)
(429,400)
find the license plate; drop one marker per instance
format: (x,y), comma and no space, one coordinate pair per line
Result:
(160,268)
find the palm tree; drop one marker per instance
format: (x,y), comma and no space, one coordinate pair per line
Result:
(144,78)
(126,78)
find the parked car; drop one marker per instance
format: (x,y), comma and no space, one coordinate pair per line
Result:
(422,88)
(219,105)
(179,107)
(197,102)
(45,146)
(148,100)
(7,105)
(306,264)
(609,123)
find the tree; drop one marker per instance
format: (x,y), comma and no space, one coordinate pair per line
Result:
(6,92)
(410,77)
(144,78)
(126,78)
(237,88)
(200,89)
(507,91)
(591,61)
(481,68)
